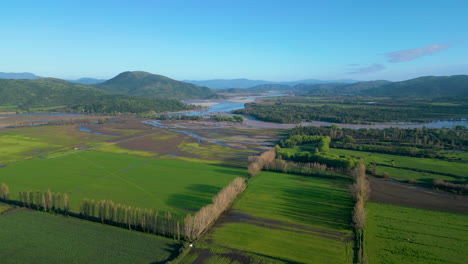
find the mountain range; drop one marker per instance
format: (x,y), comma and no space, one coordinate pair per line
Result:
(32,76)
(246,83)
(50,91)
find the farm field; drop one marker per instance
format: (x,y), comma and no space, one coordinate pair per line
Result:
(283,218)
(68,240)
(395,234)
(435,166)
(165,185)
(4,207)
(21,143)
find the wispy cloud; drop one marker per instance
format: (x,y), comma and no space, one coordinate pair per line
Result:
(352,65)
(368,69)
(411,54)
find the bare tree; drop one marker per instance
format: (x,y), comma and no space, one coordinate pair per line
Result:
(65,203)
(4,192)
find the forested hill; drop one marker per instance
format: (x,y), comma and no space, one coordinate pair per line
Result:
(430,86)
(44,92)
(25,94)
(149,85)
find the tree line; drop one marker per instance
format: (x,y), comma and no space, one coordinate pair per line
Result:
(133,218)
(416,142)
(337,112)
(359,191)
(195,225)
(215,118)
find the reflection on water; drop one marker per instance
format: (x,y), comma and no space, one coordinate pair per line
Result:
(223,105)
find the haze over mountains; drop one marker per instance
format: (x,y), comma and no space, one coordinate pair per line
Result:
(246,83)
(32,76)
(27,88)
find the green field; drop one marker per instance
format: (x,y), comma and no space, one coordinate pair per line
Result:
(433,165)
(4,207)
(288,218)
(37,237)
(395,234)
(22,143)
(165,185)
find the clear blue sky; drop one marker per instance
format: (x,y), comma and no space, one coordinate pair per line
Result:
(255,39)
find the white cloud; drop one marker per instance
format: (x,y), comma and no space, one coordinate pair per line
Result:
(411,54)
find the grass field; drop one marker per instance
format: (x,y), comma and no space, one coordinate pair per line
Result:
(433,165)
(395,234)
(21,143)
(287,218)
(4,207)
(37,237)
(177,186)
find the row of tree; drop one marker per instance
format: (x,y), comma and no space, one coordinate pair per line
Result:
(195,225)
(327,159)
(257,163)
(421,138)
(133,218)
(62,122)
(215,118)
(46,201)
(334,112)
(308,169)
(360,191)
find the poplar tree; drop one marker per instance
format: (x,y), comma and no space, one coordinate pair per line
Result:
(4,192)
(65,203)
(155,223)
(93,209)
(31,199)
(44,203)
(129,218)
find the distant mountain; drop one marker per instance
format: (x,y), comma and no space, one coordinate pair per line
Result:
(88,81)
(224,84)
(15,75)
(270,87)
(429,86)
(44,92)
(340,88)
(246,83)
(139,83)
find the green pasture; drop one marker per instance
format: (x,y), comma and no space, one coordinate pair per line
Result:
(165,185)
(455,155)
(37,237)
(419,177)
(433,165)
(21,143)
(4,207)
(395,234)
(289,218)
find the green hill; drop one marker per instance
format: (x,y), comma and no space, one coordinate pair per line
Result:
(430,86)
(149,85)
(25,94)
(44,92)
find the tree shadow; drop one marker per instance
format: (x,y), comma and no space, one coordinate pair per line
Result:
(174,251)
(195,197)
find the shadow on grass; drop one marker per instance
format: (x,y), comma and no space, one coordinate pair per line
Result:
(195,197)
(173,249)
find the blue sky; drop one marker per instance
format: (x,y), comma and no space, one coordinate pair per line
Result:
(210,39)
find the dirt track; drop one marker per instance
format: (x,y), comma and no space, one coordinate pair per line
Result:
(406,195)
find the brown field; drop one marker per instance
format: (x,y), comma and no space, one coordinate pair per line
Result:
(387,192)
